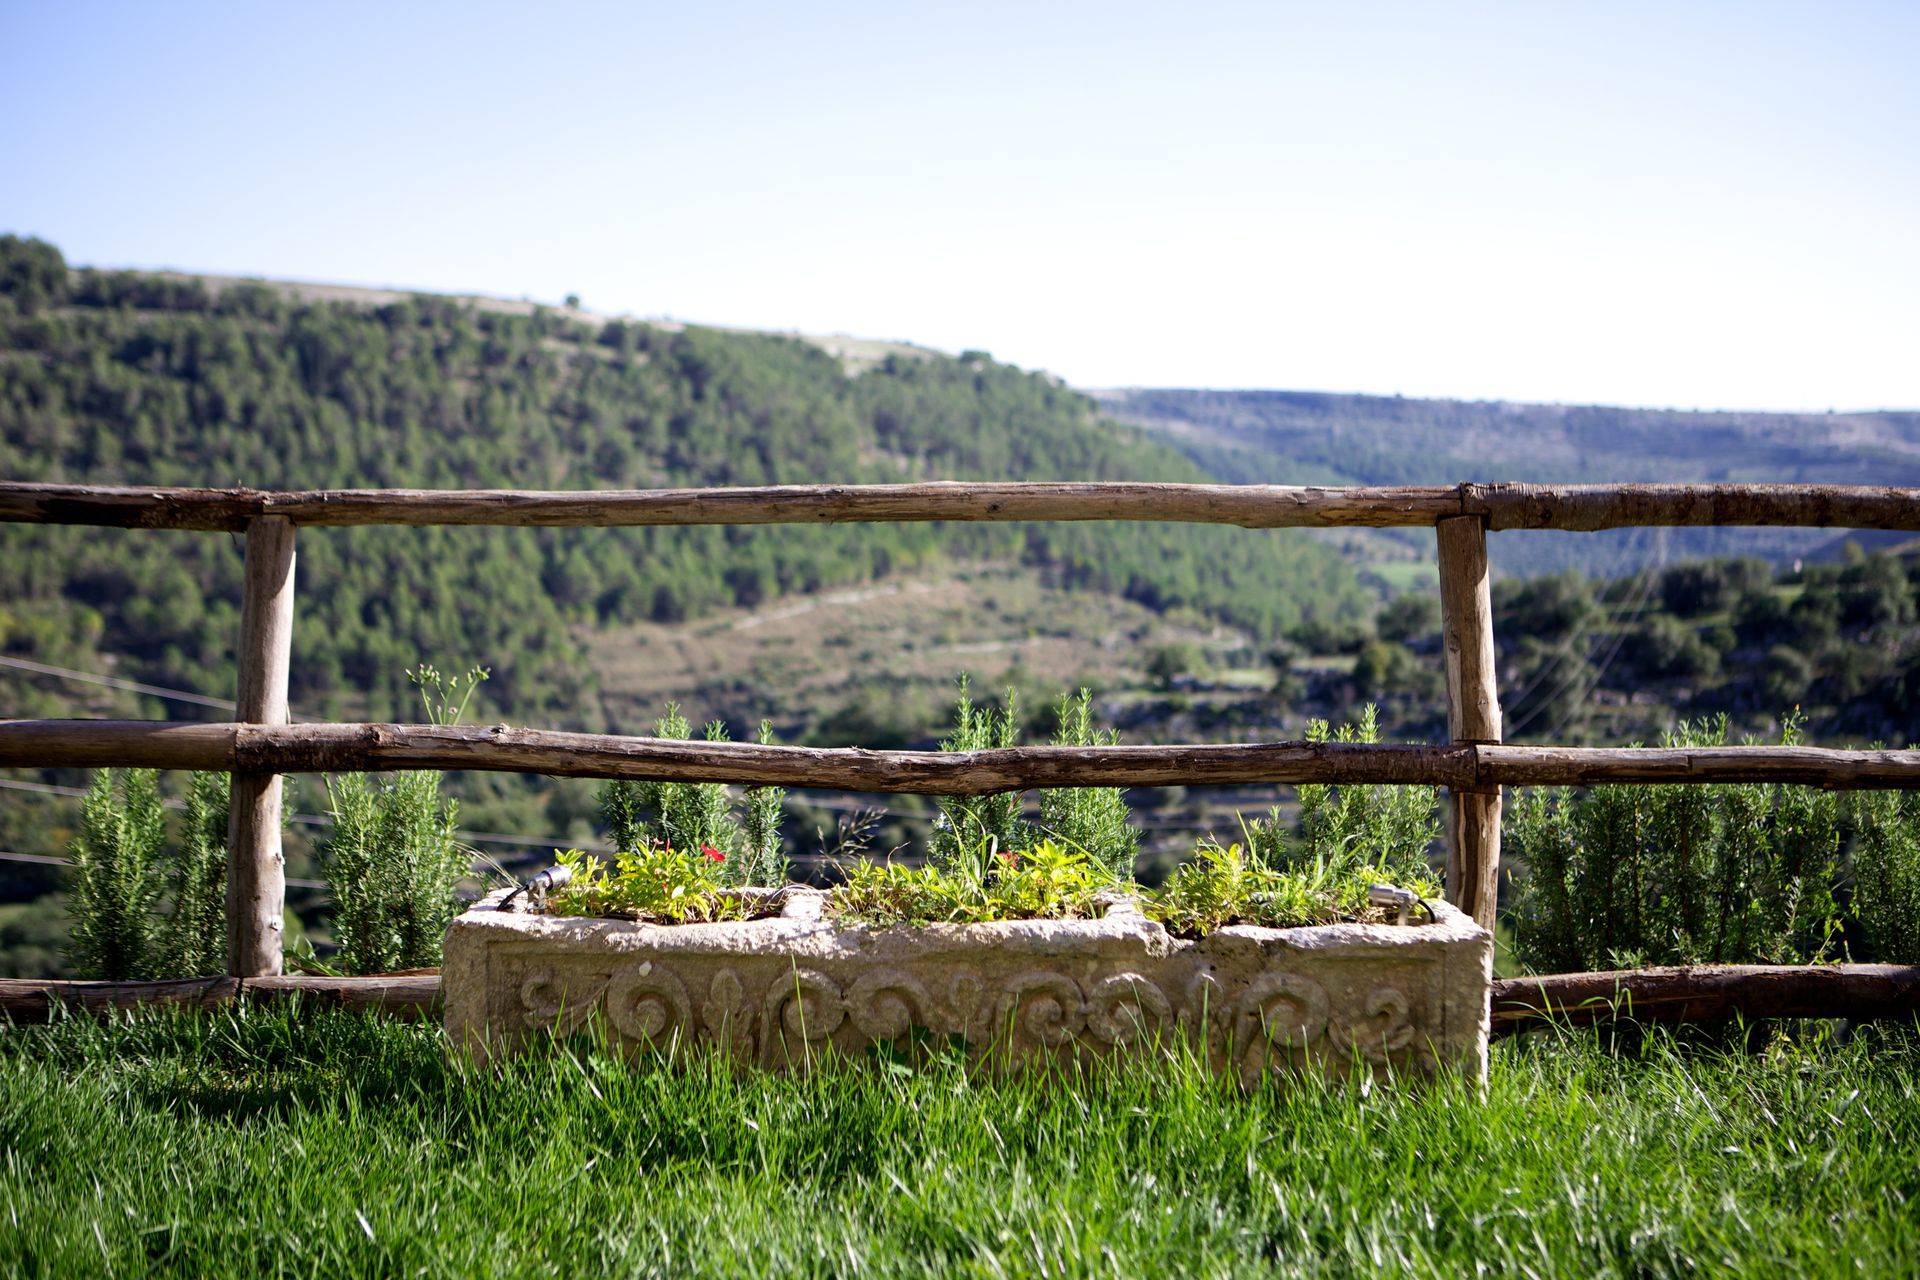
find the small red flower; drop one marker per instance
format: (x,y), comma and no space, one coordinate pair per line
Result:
(713,854)
(1009,857)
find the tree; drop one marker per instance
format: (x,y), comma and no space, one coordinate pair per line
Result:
(32,272)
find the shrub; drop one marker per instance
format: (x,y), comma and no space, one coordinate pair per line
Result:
(116,876)
(122,870)
(1886,874)
(1091,819)
(970,828)
(695,815)
(194,942)
(1390,828)
(1621,876)
(391,861)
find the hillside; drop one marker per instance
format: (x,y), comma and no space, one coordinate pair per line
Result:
(147,379)
(1287,437)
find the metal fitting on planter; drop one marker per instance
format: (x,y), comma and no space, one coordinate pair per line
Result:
(1386,895)
(538,887)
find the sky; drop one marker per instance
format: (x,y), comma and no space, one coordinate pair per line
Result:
(1692,205)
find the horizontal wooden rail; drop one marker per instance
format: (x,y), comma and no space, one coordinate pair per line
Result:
(1647,995)
(310,748)
(1703,993)
(319,748)
(1512,766)
(1249,506)
(1502,506)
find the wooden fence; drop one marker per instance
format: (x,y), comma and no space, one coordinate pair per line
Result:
(259,746)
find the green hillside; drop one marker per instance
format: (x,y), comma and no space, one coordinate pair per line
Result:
(150,379)
(1289,437)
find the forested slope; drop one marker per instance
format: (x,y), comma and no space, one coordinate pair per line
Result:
(146,379)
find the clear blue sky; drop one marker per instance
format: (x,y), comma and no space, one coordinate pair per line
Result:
(1712,205)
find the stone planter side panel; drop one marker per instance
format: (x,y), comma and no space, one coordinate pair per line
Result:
(781,993)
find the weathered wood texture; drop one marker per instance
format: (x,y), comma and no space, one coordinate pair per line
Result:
(1250,506)
(1473,712)
(1502,506)
(256,864)
(1706,992)
(321,748)
(1516,766)
(1587,507)
(411,995)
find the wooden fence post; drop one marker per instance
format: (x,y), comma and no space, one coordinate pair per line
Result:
(256,867)
(1473,712)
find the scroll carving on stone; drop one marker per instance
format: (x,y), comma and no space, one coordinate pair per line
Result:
(649,1004)
(1041,1007)
(1125,1007)
(885,1003)
(801,1007)
(559,1002)
(1386,1027)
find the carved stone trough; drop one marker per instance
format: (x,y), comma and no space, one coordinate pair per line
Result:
(785,991)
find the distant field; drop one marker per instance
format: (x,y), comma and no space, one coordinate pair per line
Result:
(907,639)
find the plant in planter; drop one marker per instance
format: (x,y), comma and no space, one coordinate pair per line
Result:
(699,815)
(1046,882)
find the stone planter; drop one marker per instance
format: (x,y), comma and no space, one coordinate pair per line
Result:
(783,992)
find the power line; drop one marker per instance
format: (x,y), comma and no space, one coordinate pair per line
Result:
(132,686)
(47,860)
(326,820)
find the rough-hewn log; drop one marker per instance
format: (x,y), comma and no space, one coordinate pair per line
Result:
(256,865)
(1585,766)
(1707,992)
(1473,712)
(1503,506)
(415,994)
(1249,506)
(1586,507)
(321,748)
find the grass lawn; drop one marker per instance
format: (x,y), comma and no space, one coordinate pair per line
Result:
(250,1143)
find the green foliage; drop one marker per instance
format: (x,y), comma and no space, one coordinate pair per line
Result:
(123,868)
(195,935)
(1383,668)
(761,850)
(117,877)
(971,828)
(32,272)
(1091,819)
(696,815)
(1225,885)
(1048,881)
(650,882)
(1568,1160)
(391,860)
(1409,617)
(1169,662)
(1885,862)
(1388,828)
(150,380)
(1622,876)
